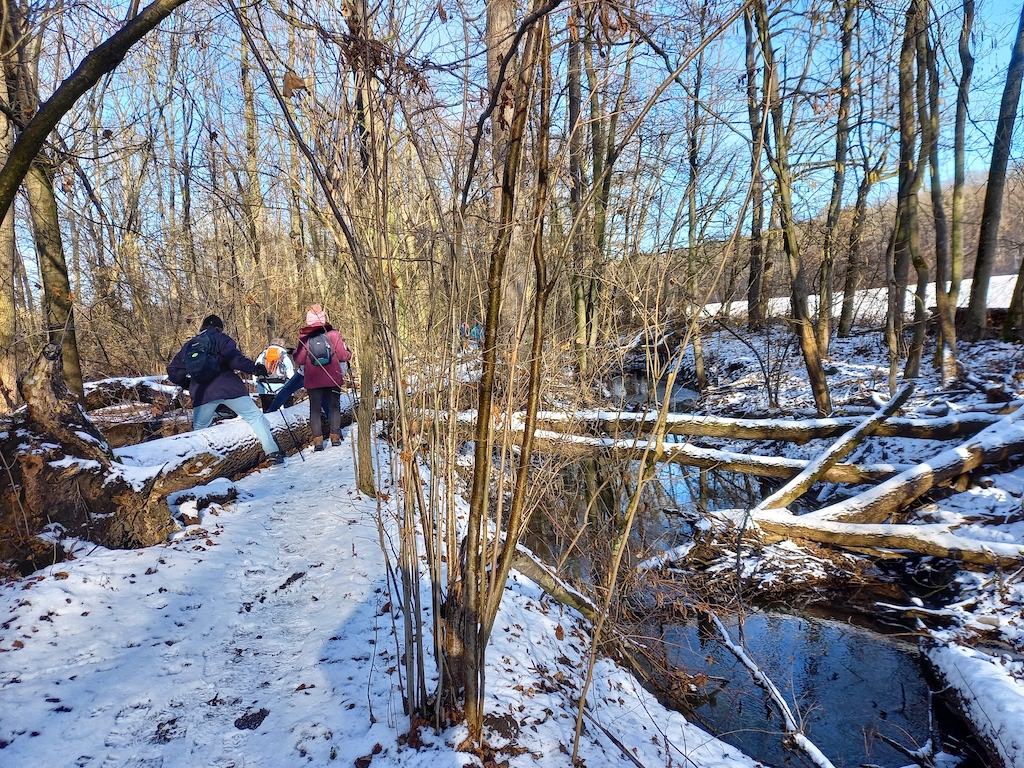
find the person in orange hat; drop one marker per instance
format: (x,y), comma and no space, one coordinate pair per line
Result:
(320,351)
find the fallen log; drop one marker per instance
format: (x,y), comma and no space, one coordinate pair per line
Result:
(533,568)
(798,486)
(153,391)
(989,699)
(707,458)
(932,539)
(228,449)
(995,443)
(787,430)
(60,474)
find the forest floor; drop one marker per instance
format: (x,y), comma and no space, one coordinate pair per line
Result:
(264,635)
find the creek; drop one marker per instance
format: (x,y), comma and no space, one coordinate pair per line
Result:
(849,679)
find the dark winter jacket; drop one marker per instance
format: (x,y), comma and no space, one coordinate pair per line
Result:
(227,384)
(319,376)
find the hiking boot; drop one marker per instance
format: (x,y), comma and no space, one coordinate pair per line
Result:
(335,440)
(277,457)
(318,446)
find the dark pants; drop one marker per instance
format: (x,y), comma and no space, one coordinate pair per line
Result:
(295,383)
(318,397)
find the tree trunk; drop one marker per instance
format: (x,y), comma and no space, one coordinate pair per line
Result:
(57,294)
(69,477)
(756,288)
(474,596)
(916,351)
(856,262)
(988,240)
(798,279)
(825,276)
(904,239)
(956,234)
(945,347)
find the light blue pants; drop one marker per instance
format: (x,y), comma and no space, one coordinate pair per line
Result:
(202,417)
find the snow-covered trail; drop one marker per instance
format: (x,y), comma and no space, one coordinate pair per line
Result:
(263,638)
(261,622)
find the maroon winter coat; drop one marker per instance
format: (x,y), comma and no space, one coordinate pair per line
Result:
(318,376)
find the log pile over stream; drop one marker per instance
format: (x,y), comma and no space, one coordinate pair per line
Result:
(61,471)
(871,519)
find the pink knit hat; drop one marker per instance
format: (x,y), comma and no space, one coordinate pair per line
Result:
(316,315)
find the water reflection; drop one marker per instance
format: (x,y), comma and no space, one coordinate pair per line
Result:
(848,685)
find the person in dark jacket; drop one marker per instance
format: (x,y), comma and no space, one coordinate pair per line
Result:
(322,381)
(226,388)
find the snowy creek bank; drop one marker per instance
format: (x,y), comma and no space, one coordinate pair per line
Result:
(827,627)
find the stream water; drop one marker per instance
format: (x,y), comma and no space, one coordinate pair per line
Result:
(848,685)
(845,685)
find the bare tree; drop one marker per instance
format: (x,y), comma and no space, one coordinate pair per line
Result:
(779,159)
(988,241)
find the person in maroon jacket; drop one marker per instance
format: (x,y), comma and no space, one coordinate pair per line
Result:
(323,380)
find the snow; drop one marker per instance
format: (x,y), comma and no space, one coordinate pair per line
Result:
(992,696)
(263,637)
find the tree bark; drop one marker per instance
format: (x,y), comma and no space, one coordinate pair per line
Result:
(8,266)
(69,477)
(992,211)
(58,298)
(1001,440)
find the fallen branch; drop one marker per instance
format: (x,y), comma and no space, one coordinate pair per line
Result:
(798,486)
(997,442)
(794,734)
(544,577)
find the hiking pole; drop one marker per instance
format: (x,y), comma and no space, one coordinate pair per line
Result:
(289,427)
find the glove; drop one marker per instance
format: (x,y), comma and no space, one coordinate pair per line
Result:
(261,370)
